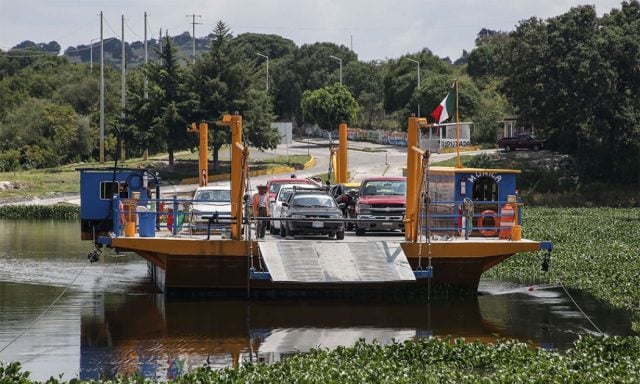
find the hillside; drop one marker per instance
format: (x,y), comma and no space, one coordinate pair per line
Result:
(134,51)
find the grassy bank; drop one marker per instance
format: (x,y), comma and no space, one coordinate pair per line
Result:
(595,249)
(65,179)
(58,211)
(591,360)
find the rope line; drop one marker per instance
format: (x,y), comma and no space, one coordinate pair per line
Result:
(45,311)
(580,309)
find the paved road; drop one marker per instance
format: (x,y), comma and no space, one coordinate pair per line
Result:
(365,159)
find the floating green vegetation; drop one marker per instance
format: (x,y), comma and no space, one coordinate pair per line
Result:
(59,211)
(591,360)
(595,249)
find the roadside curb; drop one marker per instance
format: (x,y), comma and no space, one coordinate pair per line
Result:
(258,172)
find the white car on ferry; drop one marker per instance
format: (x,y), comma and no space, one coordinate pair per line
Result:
(207,202)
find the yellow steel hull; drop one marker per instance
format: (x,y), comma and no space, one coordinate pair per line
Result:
(194,263)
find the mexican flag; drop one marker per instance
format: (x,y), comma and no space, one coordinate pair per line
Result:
(445,109)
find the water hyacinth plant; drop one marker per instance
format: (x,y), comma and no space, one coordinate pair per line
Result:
(435,360)
(595,249)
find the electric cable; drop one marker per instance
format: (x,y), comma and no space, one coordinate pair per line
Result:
(45,311)
(580,309)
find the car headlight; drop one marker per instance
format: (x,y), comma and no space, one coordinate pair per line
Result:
(364,206)
(297,216)
(336,216)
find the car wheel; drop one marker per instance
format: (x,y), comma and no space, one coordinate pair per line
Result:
(283,230)
(536,148)
(360,231)
(340,235)
(508,148)
(332,235)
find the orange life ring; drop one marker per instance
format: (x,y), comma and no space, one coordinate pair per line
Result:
(492,230)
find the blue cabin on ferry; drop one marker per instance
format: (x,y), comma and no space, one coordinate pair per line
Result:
(489,190)
(101,187)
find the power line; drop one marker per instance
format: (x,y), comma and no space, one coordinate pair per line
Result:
(109,25)
(131,30)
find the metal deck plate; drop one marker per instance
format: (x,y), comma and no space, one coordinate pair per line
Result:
(335,261)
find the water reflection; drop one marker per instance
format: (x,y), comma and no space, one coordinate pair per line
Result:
(108,322)
(163,339)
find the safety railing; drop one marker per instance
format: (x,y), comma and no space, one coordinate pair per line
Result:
(173,216)
(168,216)
(477,218)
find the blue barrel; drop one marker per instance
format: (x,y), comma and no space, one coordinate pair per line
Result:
(147,224)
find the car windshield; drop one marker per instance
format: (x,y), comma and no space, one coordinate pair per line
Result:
(284,194)
(314,201)
(384,187)
(274,187)
(214,196)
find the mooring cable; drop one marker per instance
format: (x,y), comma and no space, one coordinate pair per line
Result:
(45,311)
(580,309)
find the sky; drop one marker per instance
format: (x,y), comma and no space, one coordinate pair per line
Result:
(373,29)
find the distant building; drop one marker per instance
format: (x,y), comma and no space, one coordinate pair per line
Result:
(444,135)
(511,128)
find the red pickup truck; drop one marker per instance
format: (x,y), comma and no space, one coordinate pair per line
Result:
(522,141)
(381,198)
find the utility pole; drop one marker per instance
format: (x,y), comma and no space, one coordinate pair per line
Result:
(122,88)
(146,81)
(101,92)
(417,62)
(193,36)
(266,57)
(146,56)
(339,61)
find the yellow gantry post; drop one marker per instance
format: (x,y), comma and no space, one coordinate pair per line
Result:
(341,170)
(239,156)
(414,177)
(203,150)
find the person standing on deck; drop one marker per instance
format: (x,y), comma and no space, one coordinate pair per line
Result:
(260,205)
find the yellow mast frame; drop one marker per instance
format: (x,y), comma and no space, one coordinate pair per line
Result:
(203,159)
(239,169)
(415,175)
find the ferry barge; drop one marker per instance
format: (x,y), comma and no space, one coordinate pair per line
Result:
(459,223)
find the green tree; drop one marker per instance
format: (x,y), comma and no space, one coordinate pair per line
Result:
(163,114)
(222,83)
(273,46)
(365,82)
(310,67)
(46,134)
(329,106)
(400,80)
(581,76)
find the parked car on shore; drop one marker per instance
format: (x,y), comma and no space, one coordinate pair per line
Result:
(522,141)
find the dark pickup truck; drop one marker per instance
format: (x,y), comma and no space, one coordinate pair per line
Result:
(522,141)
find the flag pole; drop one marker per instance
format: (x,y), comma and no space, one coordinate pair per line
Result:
(458,163)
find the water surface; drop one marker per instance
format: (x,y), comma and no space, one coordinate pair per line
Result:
(59,314)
